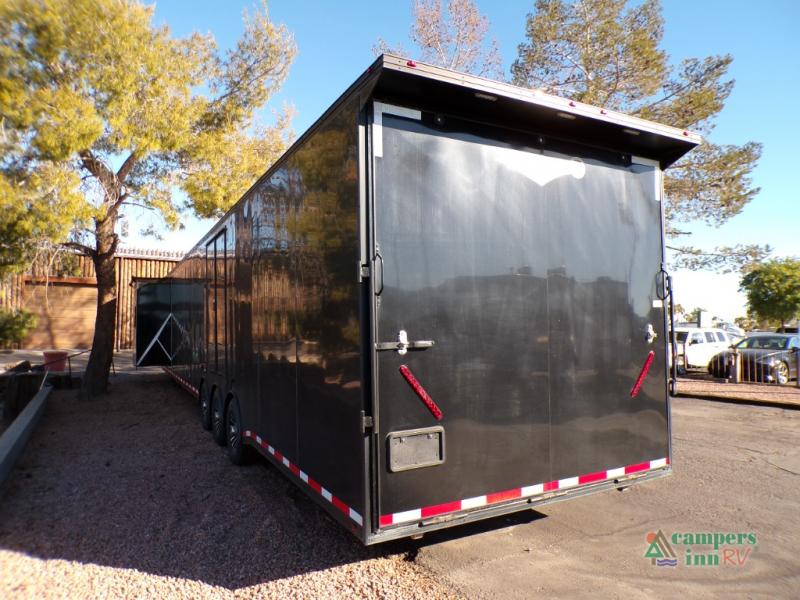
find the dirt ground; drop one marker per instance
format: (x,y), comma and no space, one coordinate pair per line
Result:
(128,498)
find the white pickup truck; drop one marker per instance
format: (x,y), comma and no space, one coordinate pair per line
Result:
(698,345)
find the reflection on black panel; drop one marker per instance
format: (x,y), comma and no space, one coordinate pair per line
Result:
(534,273)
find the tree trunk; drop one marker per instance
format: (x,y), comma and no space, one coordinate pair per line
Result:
(95,379)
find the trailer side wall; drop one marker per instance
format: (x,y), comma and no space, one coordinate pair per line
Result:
(268,309)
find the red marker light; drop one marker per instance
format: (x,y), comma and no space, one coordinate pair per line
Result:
(686,133)
(411,63)
(420,391)
(571,103)
(603,111)
(639,380)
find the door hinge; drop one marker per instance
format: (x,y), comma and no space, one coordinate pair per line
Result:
(363,272)
(366,422)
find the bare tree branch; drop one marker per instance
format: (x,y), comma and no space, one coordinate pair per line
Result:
(80,247)
(126,167)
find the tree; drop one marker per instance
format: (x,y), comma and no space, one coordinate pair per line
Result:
(773,290)
(607,53)
(101,109)
(32,212)
(14,324)
(693,316)
(454,40)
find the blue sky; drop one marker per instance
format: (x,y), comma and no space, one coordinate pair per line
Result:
(335,40)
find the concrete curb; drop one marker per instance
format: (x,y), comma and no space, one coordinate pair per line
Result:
(735,400)
(14,439)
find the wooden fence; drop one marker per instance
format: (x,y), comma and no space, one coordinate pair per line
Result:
(65,306)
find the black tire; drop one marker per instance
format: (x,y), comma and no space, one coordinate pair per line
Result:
(218,419)
(205,407)
(782,375)
(238,452)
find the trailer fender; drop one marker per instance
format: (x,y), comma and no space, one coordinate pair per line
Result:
(230,396)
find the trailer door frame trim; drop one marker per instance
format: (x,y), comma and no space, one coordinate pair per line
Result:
(379,108)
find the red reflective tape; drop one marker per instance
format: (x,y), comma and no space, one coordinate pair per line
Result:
(642,374)
(500,496)
(340,505)
(295,469)
(497,497)
(420,391)
(592,477)
(668,462)
(645,466)
(432,511)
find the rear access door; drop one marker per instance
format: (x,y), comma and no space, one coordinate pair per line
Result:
(515,298)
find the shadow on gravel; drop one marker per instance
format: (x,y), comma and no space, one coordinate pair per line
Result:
(132,482)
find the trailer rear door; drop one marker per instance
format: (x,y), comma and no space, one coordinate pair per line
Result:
(516,305)
(534,275)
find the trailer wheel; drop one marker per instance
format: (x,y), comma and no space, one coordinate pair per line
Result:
(217,418)
(238,452)
(205,407)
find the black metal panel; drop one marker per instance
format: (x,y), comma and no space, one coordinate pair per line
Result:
(274,300)
(452,94)
(465,266)
(244,352)
(299,237)
(152,309)
(184,300)
(605,255)
(534,273)
(330,392)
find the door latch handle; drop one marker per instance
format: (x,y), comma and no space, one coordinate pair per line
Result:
(650,335)
(402,345)
(378,273)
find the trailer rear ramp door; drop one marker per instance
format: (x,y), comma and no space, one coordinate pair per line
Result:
(516,306)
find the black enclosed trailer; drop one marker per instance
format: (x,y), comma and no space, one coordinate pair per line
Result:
(445,302)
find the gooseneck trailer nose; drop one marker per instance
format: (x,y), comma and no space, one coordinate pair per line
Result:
(446,301)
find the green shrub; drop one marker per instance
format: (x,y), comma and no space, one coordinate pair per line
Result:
(14,324)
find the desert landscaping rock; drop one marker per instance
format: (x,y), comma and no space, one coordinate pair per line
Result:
(127,497)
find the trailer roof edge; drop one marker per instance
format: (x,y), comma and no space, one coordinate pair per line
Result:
(636,135)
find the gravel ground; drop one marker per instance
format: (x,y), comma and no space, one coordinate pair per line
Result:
(127,497)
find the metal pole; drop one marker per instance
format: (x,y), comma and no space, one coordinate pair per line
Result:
(155,340)
(797,364)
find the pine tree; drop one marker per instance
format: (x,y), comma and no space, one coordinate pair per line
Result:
(608,53)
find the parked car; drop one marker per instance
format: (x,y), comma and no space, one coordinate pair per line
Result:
(766,357)
(734,333)
(698,345)
(788,330)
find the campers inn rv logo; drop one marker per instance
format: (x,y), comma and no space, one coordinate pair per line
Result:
(700,549)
